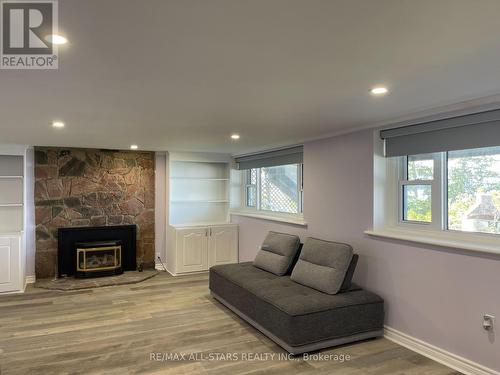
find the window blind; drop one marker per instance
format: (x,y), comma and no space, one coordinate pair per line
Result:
(292,155)
(456,133)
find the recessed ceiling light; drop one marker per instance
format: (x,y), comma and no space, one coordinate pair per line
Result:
(134,147)
(56,39)
(58,124)
(379,90)
(235,136)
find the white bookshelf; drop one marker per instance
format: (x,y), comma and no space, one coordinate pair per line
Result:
(199,189)
(199,233)
(16,216)
(11,193)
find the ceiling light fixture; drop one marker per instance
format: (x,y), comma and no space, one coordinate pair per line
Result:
(235,136)
(56,39)
(379,90)
(134,147)
(58,124)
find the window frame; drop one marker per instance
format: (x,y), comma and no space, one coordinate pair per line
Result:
(385,221)
(248,184)
(439,200)
(436,192)
(257,208)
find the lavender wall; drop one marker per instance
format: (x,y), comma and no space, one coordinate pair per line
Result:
(434,294)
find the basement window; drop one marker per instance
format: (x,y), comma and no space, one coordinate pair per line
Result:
(275,189)
(451,191)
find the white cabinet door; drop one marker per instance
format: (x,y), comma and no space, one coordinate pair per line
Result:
(223,245)
(10,267)
(192,249)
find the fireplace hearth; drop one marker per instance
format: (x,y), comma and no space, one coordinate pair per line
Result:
(96,251)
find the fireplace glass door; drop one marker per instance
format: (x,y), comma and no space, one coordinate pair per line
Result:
(98,260)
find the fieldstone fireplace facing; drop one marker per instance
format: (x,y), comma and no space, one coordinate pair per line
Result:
(92,188)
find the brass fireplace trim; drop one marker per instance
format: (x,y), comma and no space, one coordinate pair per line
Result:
(91,249)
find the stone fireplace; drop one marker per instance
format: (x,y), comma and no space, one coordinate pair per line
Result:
(92,188)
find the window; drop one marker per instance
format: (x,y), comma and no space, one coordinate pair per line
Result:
(454,191)
(474,190)
(417,188)
(251,187)
(275,189)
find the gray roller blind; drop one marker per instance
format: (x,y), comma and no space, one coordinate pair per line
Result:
(457,133)
(293,155)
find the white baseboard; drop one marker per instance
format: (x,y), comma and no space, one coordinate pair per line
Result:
(30,279)
(159,267)
(444,357)
(185,273)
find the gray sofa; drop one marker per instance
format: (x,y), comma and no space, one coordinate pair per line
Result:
(297,317)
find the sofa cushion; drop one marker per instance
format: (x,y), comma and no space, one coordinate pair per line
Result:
(322,265)
(277,253)
(297,314)
(346,284)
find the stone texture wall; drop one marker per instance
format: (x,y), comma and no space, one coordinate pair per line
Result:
(88,187)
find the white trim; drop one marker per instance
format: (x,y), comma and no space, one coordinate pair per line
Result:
(199,178)
(426,237)
(199,201)
(289,220)
(202,224)
(13,149)
(12,292)
(204,157)
(10,234)
(159,267)
(30,279)
(186,273)
(442,356)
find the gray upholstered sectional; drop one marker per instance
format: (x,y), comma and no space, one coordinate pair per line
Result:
(297,317)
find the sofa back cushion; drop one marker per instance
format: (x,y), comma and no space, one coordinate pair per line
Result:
(346,284)
(277,253)
(322,265)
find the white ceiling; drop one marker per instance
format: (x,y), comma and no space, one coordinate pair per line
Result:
(185,74)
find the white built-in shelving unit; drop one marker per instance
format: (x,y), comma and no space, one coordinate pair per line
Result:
(199,192)
(11,193)
(199,233)
(16,177)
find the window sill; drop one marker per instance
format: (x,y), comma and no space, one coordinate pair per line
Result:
(283,219)
(442,240)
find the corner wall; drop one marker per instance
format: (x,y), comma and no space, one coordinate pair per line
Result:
(89,187)
(437,295)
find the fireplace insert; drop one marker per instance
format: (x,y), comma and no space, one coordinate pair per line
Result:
(98,258)
(96,251)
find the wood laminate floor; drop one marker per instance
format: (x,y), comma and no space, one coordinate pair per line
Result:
(115,330)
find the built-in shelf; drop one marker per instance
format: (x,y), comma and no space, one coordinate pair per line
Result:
(201,224)
(199,178)
(200,201)
(199,189)
(12,214)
